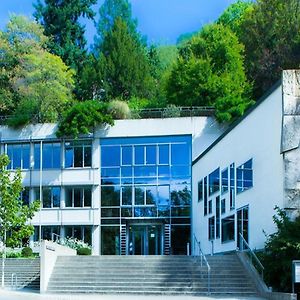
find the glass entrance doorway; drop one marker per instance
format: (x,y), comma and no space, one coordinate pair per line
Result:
(145,240)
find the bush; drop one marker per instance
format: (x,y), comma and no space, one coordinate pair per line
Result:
(73,243)
(119,109)
(27,252)
(10,254)
(84,251)
(171,111)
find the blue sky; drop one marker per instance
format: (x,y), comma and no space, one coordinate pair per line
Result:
(162,21)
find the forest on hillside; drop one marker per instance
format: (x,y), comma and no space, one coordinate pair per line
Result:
(47,70)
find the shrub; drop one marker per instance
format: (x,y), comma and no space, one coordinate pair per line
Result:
(171,111)
(73,243)
(11,254)
(119,109)
(84,251)
(27,252)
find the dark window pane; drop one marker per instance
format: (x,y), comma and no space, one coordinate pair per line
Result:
(163,211)
(110,172)
(200,190)
(87,156)
(78,193)
(150,155)
(110,156)
(223,206)
(127,155)
(26,156)
(87,197)
(68,231)
(88,235)
(228,229)
(181,195)
(180,211)
(10,156)
(139,154)
(180,236)
(25,196)
(151,195)
(46,197)
(56,196)
(224,180)
(110,196)
(127,195)
(211,228)
(180,154)
(69,197)
(110,212)
(126,212)
(110,240)
(47,156)
(214,181)
(69,153)
(77,232)
(78,157)
(163,152)
(17,156)
(139,195)
(56,156)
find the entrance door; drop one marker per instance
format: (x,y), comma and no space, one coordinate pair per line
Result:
(145,240)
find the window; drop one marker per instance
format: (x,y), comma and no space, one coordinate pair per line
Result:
(218,217)
(78,154)
(211,228)
(146,195)
(210,206)
(110,195)
(205,196)
(223,206)
(214,181)
(126,156)
(50,153)
(25,196)
(228,229)
(224,181)
(127,195)
(78,197)
(50,196)
(19,156)
(180,154)
(200,190)
(244,177)
(49,233)
(83,233)
(232,186)
(163,154)
(242,226)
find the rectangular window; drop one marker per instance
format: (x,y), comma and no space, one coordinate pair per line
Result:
(78,197)
(163,154)
(210,206)
(200,190)
(228,229)
(214,181)
(232,186)
(25,196)
(223,206)
(242,226)
(126,156)
(50,196)
(49,233)
(110,156)
(244,174)
(50,153)
(78,154)
(19,156)
(218,217)
(110,195)
(82,233)
(211,228)
(224,181)
(205,196)
(127,195)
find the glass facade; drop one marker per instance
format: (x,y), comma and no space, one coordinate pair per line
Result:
(145,180)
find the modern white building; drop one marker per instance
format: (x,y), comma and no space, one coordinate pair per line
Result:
(149,186)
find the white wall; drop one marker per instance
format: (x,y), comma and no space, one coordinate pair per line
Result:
(258,136)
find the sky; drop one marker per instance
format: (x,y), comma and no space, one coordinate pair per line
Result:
(162,21)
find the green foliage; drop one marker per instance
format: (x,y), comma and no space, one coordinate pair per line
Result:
(210,71)
(27,252)
(33,80)
(281,248)
(167,56)
(61,21)
(74,243)
(84,251)
(11,254)
(82,118)
(171,111)
(14,216)
(271,35)
(185,37)
(119,109)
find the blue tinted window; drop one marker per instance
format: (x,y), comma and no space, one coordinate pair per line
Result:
(145,171)
(17,156)
(110,156)
(163,171)
(139,198)
(151,195)
(139,155)
(26,156)
(56,155)
(126,171)
(56,196)
(126,155)
(10,155)
(37,156)
(69,154)
(47,156)
(163,153)
(163,195)
(127,195)
(150,155)
(180,154)
(110,172)
(214,181)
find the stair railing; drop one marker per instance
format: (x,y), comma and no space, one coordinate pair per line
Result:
(55,238)
(198,252)
(244,247)
(14,281)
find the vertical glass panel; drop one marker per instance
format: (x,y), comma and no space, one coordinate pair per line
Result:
(126,171)
(25,196)
(200,190)
(68,231)
(78,197)
(10,156)
(223,206)
(211,228)
(163,211)
(163,153)
(139,196)
(139,155)
(151,195)
(69,197)
(180,154)
(46,197)
(69,155)
(26,156)
(47,156)
(163,171)
(218,204)
(87,156)
(110,195)
(77,232)
(151,155)
(17,156)
(87,197)
(224,181)
(88,235)
(56,155)
(37,156)
(78,157)
(228,229)
(126,155)
(110,240)
(214,181)
(163,195)
(180,236)
(210,206)
(180,195)
(56,197)
(110,156)
(127,195)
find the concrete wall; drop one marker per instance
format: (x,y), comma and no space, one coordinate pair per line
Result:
(48,256)
(257,136)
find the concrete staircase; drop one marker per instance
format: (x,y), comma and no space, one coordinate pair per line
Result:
(149,275)
(21,273)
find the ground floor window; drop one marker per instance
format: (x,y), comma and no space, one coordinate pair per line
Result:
(110,240)
(180,237)
(48,232)
(242,226)
(83,233)
(228,229)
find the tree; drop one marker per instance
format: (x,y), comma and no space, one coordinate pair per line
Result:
(61,21)
(281,247)
(209,71)
(34,80)
(123,66)
(14,215)
(271,35)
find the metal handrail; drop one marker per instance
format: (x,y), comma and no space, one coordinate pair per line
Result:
(253,255)
(14,283)
(55,237)
(203,258)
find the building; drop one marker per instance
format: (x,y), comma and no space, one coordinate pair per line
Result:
(151,186)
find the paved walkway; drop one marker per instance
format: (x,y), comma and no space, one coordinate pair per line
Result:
(10,295)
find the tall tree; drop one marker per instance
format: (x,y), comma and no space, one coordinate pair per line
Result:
(14,215)
(61,21)
(210,71)
(271,35)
